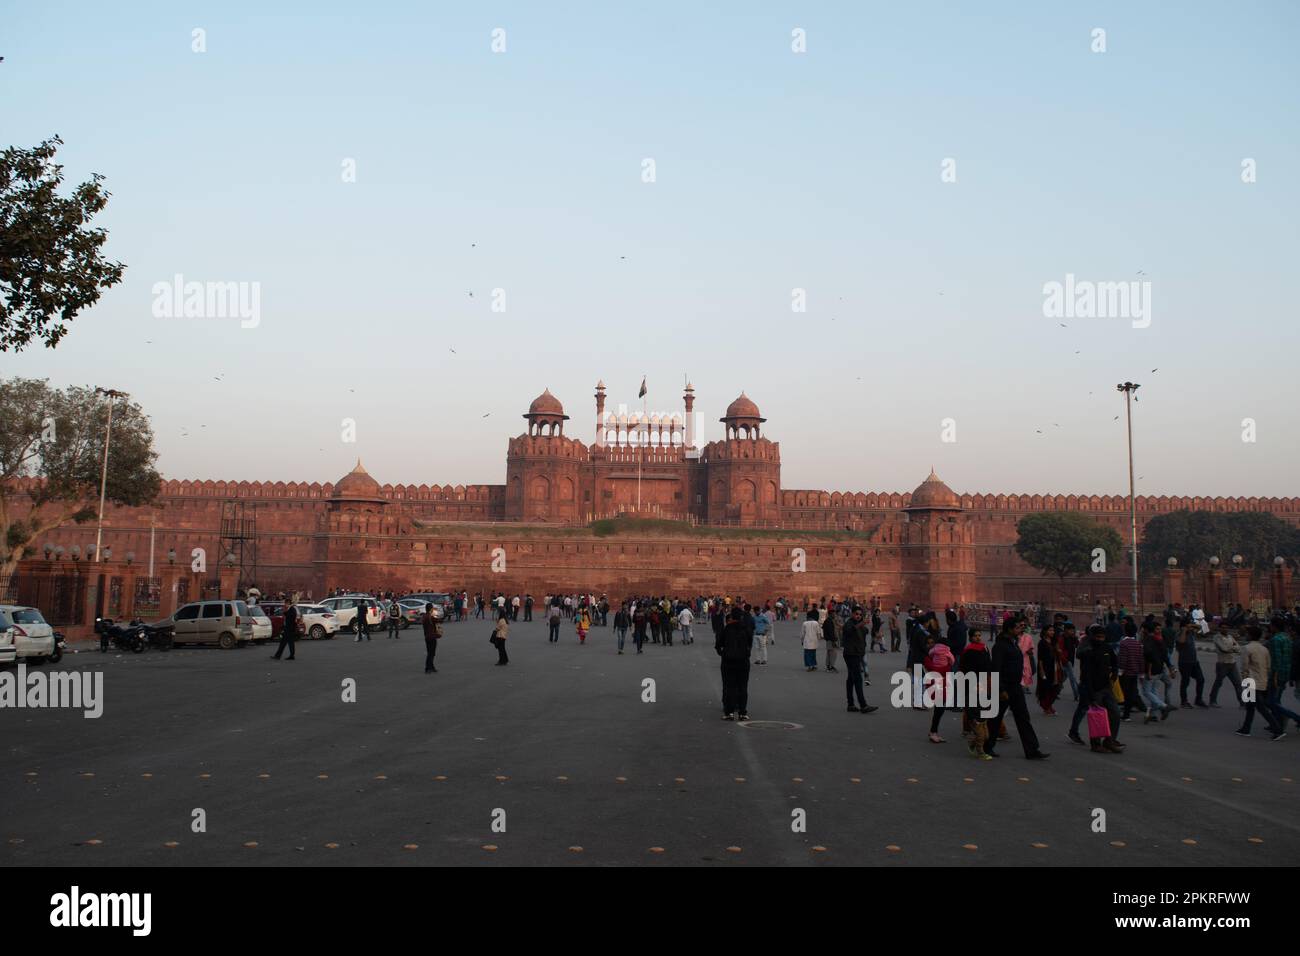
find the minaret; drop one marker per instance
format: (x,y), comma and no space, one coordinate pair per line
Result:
(690,417)
(600,414)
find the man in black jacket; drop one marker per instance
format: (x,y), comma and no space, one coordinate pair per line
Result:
(1008,664)
(956,633)
(734,643)
(1098,667)
(288,632)
(853,641)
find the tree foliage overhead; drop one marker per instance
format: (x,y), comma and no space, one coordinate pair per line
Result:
(57,436)
(50,262)
(1062,542)
(1193,537)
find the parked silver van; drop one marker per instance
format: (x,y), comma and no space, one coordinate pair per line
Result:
(226,623)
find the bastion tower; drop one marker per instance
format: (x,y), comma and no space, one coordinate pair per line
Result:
(744,470)
(543,467)
(938,554)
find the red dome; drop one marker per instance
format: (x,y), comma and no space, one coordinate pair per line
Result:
(933,493)
(742,407)
(357,483)
(548,405)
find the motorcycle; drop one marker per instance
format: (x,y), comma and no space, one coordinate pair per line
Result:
(125,637)
(159,638)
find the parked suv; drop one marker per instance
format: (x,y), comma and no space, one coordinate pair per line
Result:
(345,609)
(226,623)
(32,637)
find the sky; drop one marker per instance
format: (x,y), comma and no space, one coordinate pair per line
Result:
(829,171)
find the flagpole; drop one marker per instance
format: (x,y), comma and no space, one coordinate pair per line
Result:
(639,444)
(638,459)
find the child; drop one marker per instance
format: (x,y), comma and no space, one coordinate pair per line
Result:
(583,623)
(938,660)
(975,659)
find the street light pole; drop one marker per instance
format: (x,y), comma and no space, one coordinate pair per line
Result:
(112,394)
(1130,389)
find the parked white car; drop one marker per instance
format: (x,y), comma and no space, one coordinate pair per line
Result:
(32,636)
(317,621)
(345,609)
(8,653)
(263,629)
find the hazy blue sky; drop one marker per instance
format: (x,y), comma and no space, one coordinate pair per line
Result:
(775,171)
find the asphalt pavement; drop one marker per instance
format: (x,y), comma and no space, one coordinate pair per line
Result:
(559,758)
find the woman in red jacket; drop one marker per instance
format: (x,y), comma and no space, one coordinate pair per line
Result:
(938,660)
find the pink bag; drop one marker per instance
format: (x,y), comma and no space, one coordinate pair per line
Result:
(1098,722)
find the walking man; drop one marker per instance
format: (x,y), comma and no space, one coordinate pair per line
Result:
(432,632)
(289,632)
(832,628)
(761,628)
(734,644)
(1279,674)
(1189,668)
(1226,650)
(1255,665)
(621,621)
(1009,664)
(685,619)
(361,622)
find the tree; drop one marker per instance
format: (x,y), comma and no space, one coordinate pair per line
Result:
(1193,537)
(57,437)
(1063,542)
(50,262)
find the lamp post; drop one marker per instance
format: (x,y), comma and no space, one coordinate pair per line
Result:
(1130,389)
(112,394)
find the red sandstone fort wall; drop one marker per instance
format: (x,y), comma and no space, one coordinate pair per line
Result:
(301,535)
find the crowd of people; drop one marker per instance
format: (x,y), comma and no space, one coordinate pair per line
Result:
(1115,667)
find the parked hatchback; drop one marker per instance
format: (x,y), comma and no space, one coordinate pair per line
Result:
(226,623)
(317,622)
(31,635)
(263,630)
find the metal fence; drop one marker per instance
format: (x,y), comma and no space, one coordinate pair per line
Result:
(61,598)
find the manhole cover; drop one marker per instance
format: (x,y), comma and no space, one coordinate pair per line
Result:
(770,725)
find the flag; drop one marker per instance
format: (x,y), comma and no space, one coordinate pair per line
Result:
(641,394)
